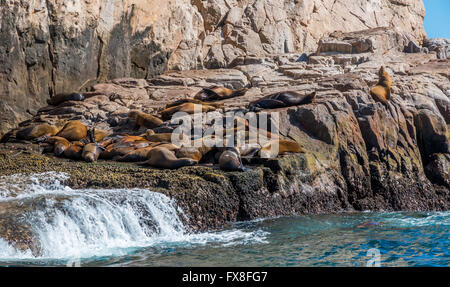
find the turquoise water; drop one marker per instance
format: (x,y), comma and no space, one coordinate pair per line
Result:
(138,227)
(402,239)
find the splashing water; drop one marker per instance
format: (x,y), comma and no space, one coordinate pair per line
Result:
(85,223)
(137,227)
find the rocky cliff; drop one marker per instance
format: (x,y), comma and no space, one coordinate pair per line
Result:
(52,46)
(358,154)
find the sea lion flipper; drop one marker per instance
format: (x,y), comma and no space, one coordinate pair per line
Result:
(269,104)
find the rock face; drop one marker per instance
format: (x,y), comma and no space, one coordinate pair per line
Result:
(360,153)
(49,47)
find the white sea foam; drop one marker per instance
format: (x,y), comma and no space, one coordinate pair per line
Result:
(85,223)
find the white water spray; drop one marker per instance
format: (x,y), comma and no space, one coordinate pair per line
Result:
(84,223)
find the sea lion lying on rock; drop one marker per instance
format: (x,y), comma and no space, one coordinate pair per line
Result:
(217,93)
(74,151)
(60,98)
(230,160)
(60,144)
(144,120)
(381,92)
(120,149)
(91,151)
(161,157)
(39,131)
(141,154)
(73,131)
(194,101)
(188,108)
(136,155)
(281,100)
(166,137)
(284,146)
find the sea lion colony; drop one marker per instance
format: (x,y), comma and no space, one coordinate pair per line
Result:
(72,139)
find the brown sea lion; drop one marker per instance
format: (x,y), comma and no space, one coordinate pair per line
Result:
(163,158)
(284,146)
(217,93)
(194,101)
(141,154)
(230,160)
(128,138)
(381,92)
(136,155)
(166,145)
(188,108)
(91,151)
(144,120)
(189,152)
(73,131)
(281,100)
(119,149)
(148,133)
(74,151)
(59,98)
(100,135)
(39,131)
(60,144)
(162,137)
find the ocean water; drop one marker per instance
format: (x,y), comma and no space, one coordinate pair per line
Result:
(138,227)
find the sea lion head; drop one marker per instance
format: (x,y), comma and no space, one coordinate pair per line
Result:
(133,114)
(59,148)
(230,160)
(91,152)
(382,71)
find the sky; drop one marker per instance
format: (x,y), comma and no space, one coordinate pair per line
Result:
(437,18)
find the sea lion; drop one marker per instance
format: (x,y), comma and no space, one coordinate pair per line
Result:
(42,131)
(249,150)
(230,160)
(74,151)
(194,101)
(144,120)
(194,152)
(188,108)
(60,98)
(148,133)
(189,152)
(284,146)
(119,149)
(162,137)
(281,100)
(128,139)
(163,158)
(217,93)
(99,135)
(60,144)
(91,151)
(73,131)
(381,92)
(139,154)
